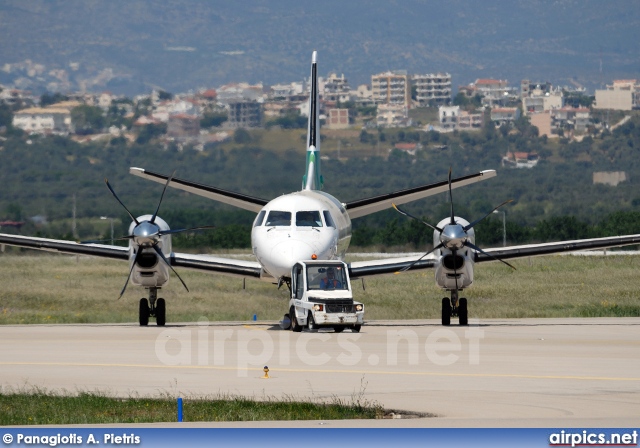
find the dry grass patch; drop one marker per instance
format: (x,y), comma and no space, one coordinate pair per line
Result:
(67,289)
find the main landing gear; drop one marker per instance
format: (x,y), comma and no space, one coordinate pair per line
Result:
(153,307)
(454,308)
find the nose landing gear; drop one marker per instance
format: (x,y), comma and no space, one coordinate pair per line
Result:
(454,307)
(153,307)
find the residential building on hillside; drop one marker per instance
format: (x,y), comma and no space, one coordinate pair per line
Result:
(541,120)
(207,99)
(527,87)
(240,92)
(183,127)
(569,118)
(245,114)
(40,120)
(504,115)
(335,89)
(338,119)
(433,89)
(559,121)
(363,96)
(541,101)
(448,117)
(285,92)
(468,121)
(53,119)
(392,88)
(452,118)
(494,92)
(623,94)
(392,116)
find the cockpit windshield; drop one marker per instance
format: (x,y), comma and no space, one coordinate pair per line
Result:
(328,277)
(278,218)
(308,219)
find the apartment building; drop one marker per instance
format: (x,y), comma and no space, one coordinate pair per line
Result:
(392,115)
(623,94)
(245,114)
(452,118)
(335,89)
(542,101)
(494,92)
(504,115)
(392,88)
(432,89)
(55,118)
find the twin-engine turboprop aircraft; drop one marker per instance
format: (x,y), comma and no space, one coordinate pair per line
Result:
(305,225)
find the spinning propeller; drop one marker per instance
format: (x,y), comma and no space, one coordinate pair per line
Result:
(147,234)
(453,236)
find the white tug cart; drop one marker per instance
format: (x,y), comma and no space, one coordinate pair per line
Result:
(321,297)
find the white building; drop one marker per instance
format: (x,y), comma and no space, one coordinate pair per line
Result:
(623,94)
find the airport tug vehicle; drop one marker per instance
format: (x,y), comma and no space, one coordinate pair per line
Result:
(321,297)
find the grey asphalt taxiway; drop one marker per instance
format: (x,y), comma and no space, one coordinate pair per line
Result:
(495,372)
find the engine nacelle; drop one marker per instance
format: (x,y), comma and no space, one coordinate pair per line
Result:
(150,270)
(451,269)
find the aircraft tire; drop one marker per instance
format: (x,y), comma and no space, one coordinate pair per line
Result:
(446,311)
(295,326)
(463,316)
(161,312)
(143,314)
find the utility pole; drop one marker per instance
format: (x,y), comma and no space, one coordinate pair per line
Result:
(73,222)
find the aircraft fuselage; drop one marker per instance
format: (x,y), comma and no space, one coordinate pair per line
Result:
(299,226)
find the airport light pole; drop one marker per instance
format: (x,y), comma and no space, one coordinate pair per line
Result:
(504,227)
(111,220)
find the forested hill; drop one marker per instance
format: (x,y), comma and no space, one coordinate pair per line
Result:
(41,178)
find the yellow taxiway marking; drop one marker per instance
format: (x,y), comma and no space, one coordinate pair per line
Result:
(360,372)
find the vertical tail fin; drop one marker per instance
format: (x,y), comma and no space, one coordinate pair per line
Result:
(312,180)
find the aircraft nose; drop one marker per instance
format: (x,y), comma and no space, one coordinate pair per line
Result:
(287,253)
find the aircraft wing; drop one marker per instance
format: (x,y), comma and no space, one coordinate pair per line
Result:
(359,269)
(217,194)
(394,265)
(205,263)
(67,247)
(530,250)
(364,207)
(218,265)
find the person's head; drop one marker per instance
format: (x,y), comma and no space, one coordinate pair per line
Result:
(331,273)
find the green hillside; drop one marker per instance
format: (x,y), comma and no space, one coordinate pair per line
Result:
(42,177)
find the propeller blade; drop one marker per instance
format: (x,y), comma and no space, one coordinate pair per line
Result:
(417,219)
(170,232)
(411,265)
(473,246)
(108,240)
(133,218)
(467,227)
(153,218)
(159,252)
(453,222)
(133,265)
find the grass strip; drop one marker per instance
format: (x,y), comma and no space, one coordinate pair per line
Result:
(42,407)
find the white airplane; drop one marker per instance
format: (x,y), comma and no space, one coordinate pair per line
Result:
(305,225)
